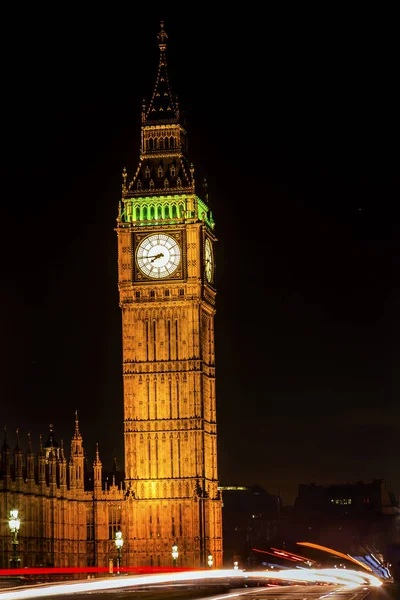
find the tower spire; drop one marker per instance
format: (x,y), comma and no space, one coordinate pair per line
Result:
(77,434)
(162,106)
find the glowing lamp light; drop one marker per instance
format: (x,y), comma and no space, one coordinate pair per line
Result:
(210,561)
(119,542)
(14,521)
(175,554)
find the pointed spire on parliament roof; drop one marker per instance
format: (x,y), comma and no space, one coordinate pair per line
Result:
(17,445)
(5,446)
(77,434)
(51,441)
(162,106)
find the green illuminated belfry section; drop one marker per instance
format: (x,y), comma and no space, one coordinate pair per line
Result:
(162,191)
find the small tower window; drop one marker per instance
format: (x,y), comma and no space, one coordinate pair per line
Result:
(166,142)
(151,184)
(152,294)
(147,172)
(162,143)
(166,293)
(181,292)
(160,171)
(137,294)
(172,170)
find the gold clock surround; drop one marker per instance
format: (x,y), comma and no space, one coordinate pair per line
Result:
(208,261)
(159,256)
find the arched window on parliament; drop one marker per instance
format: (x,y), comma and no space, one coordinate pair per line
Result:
(160,171)
(147,172)
(172,170)
(114,520)
(89,522)
(179,182)
(151,184)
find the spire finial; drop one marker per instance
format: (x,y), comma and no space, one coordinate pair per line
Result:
(5,445)
(162,36)
(17,435)
(76,422)
(29,443)
(97,452)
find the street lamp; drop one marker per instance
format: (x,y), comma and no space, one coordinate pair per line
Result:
(14,523)
(175,554)
(119,542)
(210,561)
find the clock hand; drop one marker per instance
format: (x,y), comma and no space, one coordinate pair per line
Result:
(160,255)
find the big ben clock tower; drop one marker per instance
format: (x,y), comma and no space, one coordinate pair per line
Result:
(167,294)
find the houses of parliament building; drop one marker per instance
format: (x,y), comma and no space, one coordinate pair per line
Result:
(169,494)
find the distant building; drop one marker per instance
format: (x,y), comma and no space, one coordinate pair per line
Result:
(250,519)
(354,518)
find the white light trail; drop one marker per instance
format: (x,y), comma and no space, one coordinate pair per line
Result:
(342,577)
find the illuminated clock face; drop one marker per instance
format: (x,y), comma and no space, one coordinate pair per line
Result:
(158,255)
(209,261)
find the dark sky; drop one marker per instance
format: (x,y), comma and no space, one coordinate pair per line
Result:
(294,121)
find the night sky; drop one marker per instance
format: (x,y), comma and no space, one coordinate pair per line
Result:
(294,121)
